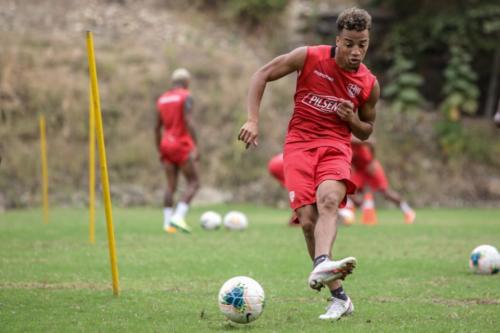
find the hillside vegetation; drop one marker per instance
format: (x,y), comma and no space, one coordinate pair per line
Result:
(43,69)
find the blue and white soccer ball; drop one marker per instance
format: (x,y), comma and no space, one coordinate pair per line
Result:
(210,220)
(485,259)
(241,299)
(235,220)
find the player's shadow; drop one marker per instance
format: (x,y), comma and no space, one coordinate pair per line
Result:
(235,327)
(226,325)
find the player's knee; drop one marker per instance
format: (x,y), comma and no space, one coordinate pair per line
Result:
(329,202)
(307,226)
(307,221)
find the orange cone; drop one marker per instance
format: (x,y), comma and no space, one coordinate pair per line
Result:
(368,209)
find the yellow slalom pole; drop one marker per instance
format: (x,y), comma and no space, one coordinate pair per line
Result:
(102,162)
(45,173)
(91,168)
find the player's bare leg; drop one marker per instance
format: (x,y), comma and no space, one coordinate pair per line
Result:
(172,174)
(190,172)
(328,197)
(327,272)
(395,197)
(391,195)
(308,215)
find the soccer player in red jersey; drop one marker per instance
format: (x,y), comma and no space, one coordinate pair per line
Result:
(176,144)
(335,96)
(275,168)
(368,172)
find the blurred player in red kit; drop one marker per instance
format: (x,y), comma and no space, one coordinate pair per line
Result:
(176,143)
(367,172)
(335,96)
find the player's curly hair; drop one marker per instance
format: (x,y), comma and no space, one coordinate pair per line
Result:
(354,19)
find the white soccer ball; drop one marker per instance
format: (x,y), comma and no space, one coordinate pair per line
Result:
(235,221)
(485,259)
(210,220)
(241,299)
(346,216)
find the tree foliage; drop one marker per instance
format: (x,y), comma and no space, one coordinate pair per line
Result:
(403,84)
(424,28)
(460,90)
(249,12)
(456,31)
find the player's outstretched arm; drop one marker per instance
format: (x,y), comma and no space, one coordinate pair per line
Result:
(361,124)
(274,70)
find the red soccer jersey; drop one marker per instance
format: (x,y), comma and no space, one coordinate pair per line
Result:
(321,85)
(170,105)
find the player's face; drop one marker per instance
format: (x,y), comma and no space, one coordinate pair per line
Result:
(351,48)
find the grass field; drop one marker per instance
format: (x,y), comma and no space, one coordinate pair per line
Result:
(409,278)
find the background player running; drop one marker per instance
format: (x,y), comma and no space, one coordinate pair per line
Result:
(368,174)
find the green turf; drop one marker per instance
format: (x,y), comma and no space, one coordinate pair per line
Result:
(410,278)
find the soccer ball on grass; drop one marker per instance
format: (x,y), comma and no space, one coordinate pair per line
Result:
(485,259)
(346,216)
(241,299)
(210,220)
(234,220)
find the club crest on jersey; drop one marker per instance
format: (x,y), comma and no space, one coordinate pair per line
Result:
(325,104)
(353,90)
(291,195)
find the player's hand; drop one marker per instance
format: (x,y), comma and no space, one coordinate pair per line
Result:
(345,111)
(496,119)
(249,133)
